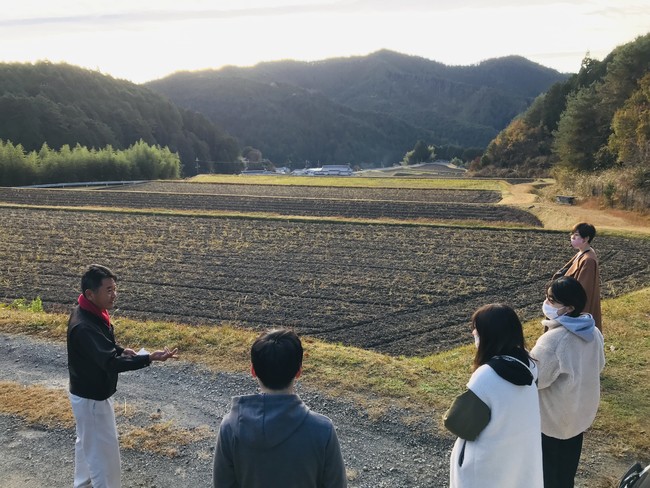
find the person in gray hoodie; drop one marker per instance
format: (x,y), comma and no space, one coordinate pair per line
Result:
(570,358)
(272,439)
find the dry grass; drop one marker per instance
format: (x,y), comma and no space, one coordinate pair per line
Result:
(624,415)
(50,407)
(161,437)
(427,385)
(355,182)
(539,199)
(36,404)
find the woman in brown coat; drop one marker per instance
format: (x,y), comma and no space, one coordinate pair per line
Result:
(584,268)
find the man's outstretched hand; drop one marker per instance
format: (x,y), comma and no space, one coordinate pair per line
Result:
(164,355)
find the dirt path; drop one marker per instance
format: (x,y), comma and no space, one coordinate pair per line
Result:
(393,451)
(562,217)
(385,453)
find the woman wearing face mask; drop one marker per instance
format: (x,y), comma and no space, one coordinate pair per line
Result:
(584,268)
(570,357)
(497,419)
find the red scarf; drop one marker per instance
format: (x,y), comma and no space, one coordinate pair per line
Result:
(89,306)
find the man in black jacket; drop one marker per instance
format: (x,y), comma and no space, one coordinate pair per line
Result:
(94,362)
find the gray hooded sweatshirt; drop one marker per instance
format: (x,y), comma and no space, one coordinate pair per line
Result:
(275,441)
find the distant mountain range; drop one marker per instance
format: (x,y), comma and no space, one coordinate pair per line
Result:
(369,109)
(362,110)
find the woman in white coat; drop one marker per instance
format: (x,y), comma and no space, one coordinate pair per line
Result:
(497,419)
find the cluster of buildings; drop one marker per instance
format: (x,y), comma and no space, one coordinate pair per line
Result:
(325,170)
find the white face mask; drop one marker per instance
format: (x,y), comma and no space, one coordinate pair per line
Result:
(477,339)
(550,311)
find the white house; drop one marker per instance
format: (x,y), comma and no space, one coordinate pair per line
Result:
(331,170)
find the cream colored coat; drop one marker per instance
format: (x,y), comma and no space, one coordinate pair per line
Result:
(569,379)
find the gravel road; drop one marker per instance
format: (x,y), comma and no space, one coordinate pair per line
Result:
(385,453)
(378,453)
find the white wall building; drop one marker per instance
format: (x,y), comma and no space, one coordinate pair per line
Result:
(330,170)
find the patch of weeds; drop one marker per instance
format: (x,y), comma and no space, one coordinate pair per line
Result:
(36,404)
(36,305)
(161,437)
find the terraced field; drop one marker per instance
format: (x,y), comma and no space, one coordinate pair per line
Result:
(297,205)
(398,289)
(327,192)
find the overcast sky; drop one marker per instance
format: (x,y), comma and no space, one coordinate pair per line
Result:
(142,40)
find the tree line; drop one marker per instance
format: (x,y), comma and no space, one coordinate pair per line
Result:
(60,104)
(423,152)
(596,123)
(140,161)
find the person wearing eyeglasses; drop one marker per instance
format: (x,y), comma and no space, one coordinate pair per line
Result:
(570,357)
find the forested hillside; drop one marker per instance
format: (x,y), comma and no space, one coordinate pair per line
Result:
(418,90)
(59,104)
(596,123)
(292,125)
(369,109)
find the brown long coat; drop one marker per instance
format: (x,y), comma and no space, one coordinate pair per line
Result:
(584,268)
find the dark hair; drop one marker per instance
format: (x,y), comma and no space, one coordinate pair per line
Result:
(93,277)
(500,332)
(569,292)
(276,356)
(586,231)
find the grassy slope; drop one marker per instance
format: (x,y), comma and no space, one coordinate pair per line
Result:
(538,198)
(426,385)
